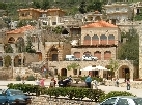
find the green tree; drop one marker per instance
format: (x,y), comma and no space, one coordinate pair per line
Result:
(29,46)
(3,6)
(130,49)
(73,66)
(20,45)
(45,4)
(36,5)
(8,48)
(96,6)
(82,8)
(113,66)
(8,61)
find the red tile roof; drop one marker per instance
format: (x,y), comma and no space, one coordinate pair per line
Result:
(21,29)
(99,24)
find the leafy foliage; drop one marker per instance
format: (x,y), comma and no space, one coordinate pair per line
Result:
(8,48)
(31,78)
(8,61)
(73,66)
(76,92)
(57,29)
(82,8)
(114,94)
(130,49)
(20,45)
(96,6)
(29,46)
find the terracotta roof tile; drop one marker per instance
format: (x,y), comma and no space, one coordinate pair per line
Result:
(99,24)
(21,29)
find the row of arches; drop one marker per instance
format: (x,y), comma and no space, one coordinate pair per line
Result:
(98,54)
(122,72)
(103,39)
(17,61)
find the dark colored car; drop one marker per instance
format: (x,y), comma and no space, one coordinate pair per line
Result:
(13,97)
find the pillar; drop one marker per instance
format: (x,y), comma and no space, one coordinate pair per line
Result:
(140,52)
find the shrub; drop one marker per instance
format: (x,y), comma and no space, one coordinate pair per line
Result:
(18,78)
(30,78)
(75,92)
(114,94)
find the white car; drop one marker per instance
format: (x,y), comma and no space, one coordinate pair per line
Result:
(122,100)
(89,58)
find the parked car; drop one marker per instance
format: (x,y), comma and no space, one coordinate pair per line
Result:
(13,97)
(72,58)
(122,100)
(89,58)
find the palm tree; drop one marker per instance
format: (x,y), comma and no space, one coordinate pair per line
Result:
(113,66)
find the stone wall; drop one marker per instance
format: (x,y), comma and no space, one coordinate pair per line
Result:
(63,64)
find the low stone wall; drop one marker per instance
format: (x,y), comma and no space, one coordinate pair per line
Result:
(44,100)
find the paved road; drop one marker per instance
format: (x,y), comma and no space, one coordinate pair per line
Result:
(134,91)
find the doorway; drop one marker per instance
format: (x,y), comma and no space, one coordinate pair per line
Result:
(63,72)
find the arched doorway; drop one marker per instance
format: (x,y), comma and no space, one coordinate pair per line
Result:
(63,72)
(94,73)
(53,54)
(124,72)
(17,61)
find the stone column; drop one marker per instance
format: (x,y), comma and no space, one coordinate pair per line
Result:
(12,65)
(140,53)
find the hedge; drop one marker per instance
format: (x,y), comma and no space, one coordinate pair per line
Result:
(75,93)
(114,94)
(79,93)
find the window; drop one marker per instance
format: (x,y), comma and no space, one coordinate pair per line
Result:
(117,9)
(122,102)
(53,23)
(55,71)
(109,101)
(75,71)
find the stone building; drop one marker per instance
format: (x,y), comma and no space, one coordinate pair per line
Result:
(100,39)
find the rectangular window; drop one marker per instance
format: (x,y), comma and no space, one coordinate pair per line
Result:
(55,71)
(75,71)
(117,9)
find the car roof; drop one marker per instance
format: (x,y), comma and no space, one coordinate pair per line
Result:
(129,97)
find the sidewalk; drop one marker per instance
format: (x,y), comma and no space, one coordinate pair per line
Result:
(134,91)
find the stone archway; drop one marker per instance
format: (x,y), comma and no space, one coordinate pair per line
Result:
(17,61)
(53,54)
(124,71)
(11,40)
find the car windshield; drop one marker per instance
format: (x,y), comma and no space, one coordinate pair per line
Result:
(16,92)
(138,101)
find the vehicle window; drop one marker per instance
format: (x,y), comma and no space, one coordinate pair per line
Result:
(138,101)
(109,101)
(17,92)
(122,102)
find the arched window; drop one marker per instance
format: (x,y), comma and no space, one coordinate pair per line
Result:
(11,40)
(95,39)
(111,39)
(107,55)
(103,39)
(87,40)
